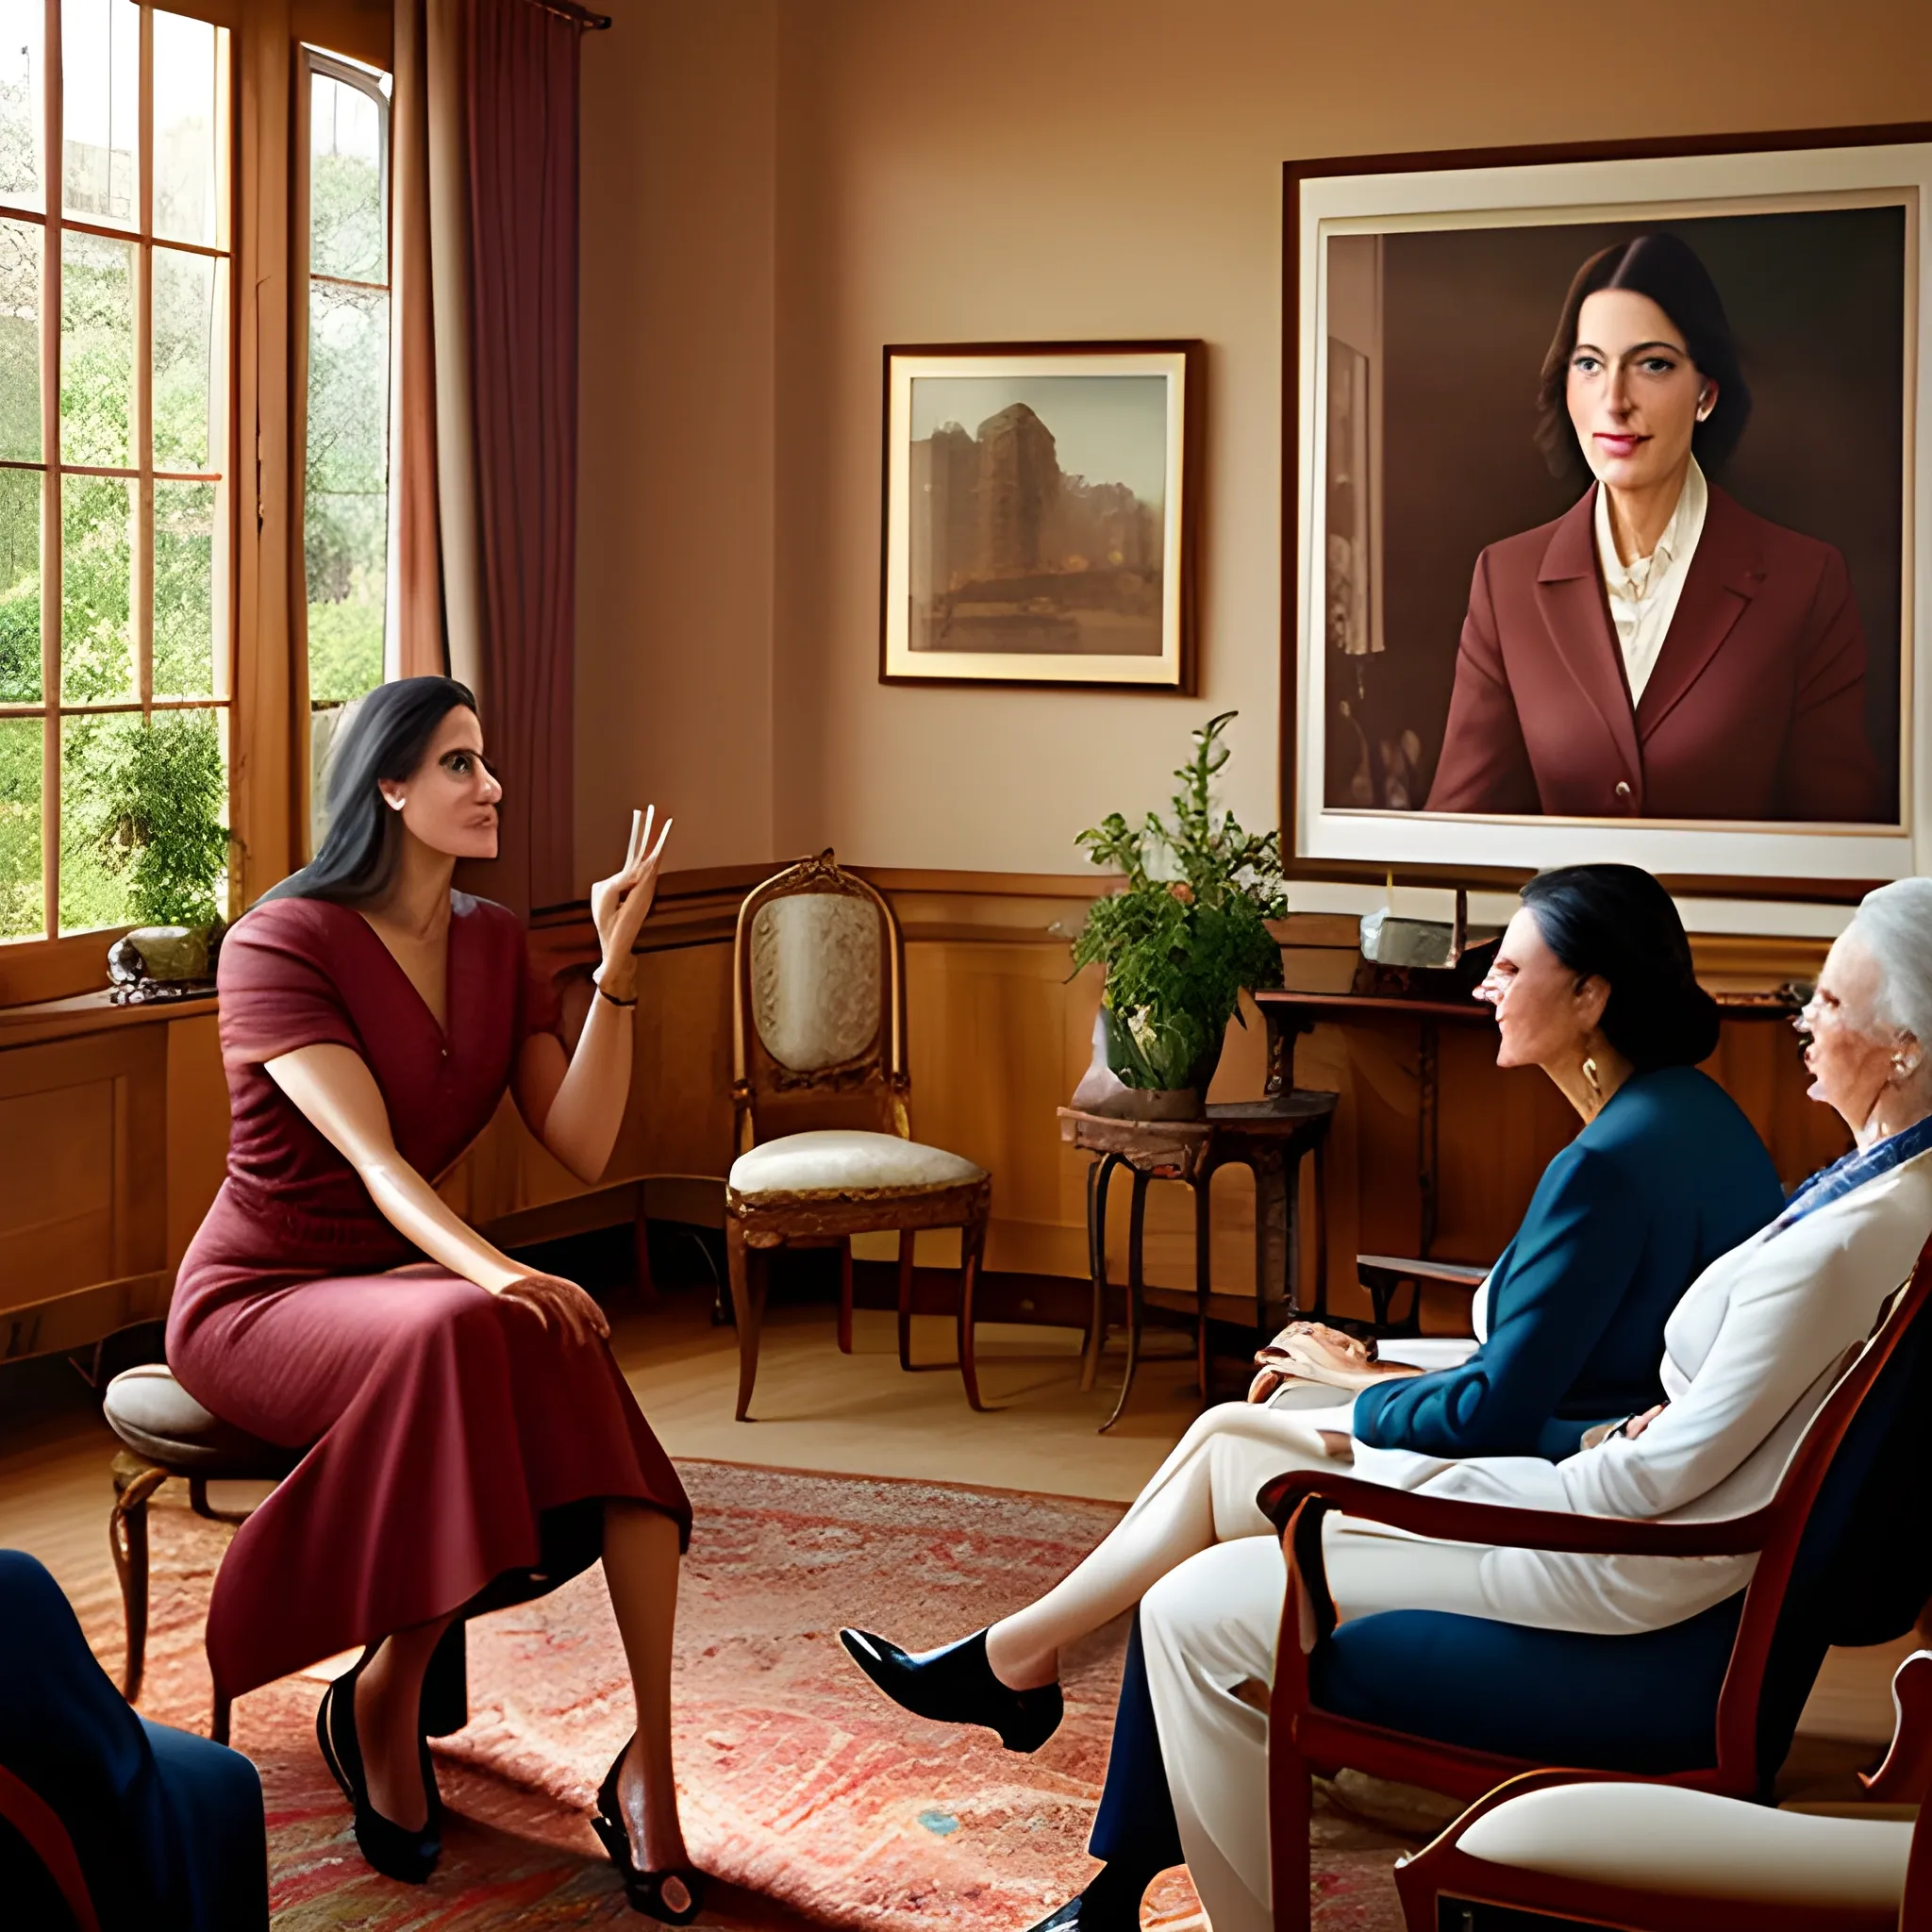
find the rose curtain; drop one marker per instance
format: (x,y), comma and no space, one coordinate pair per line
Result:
(485,381)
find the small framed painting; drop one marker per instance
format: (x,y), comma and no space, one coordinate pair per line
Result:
(1039,515)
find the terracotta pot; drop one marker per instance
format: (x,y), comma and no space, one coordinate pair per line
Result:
(1164,1102)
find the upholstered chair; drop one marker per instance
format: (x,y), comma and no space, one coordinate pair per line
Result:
(164,1433)
(822,1101)
(1605,1850)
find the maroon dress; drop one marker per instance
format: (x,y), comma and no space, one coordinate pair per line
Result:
(445,1422)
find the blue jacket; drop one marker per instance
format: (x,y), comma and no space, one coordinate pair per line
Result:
(1665,1178)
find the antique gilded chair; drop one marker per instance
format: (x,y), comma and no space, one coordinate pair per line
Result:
(821,1097)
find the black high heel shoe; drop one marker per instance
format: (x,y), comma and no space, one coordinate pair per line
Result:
(407,1857)
(644,1890)
(957,1685)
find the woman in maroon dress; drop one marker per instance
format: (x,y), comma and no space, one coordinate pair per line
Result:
(453,1413)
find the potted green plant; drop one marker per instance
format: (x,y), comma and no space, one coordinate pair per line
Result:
(1184,937)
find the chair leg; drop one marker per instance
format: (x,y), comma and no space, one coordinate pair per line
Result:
(846,1297)
(135,1481)
(908,1245)
(972,1245)
(217,1724)
(1290,1805)
(748,1294)
(640,1253)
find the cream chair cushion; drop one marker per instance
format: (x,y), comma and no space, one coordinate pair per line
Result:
(839,1161)
(1694,1845)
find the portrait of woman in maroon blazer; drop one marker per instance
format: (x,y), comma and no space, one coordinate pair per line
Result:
(1658,651)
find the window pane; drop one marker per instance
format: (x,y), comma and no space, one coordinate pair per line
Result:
(20,339)
(346,531)
(188,291)
(20,587)
(184,589)
(346,227)
(97,642)
(22,96)
(21,915)
(185,130)
(141,810)
(97,350)
(100,55)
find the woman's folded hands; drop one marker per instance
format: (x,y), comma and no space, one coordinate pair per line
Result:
(1313,1352)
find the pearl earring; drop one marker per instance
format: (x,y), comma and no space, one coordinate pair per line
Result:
(1593,1080)
(396,803)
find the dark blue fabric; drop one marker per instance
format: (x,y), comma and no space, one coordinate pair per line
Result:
(168,1827)
(1665,1178)
(1853,1170)
(1645,1703)
(1134,1828)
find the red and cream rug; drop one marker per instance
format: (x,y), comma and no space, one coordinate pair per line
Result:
(814,1800)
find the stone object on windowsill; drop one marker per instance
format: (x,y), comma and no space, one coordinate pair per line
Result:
(163,962)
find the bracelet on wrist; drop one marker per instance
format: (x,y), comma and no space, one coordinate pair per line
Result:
(597,981)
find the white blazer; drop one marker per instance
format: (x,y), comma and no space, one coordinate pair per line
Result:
(1750,1355)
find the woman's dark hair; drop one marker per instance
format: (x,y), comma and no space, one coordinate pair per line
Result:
(1617,921)
(388,735)
(1666,269)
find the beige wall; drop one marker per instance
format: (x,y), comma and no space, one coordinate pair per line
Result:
(675,505)
(772,191)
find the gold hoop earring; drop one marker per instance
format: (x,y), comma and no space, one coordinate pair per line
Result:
(1593,1080)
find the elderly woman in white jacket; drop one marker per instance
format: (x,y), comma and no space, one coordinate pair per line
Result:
(1751,1353)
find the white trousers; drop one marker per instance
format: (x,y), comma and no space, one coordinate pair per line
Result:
(1210,1627)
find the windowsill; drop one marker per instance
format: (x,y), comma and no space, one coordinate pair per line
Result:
(40,1020)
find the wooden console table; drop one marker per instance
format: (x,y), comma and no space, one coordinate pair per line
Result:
(1269,1136)
(1288,1015)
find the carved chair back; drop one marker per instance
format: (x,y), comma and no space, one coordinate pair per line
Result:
(818,1006)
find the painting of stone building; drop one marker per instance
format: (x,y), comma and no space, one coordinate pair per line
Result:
(1038,514)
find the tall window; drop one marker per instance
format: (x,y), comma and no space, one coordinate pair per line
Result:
(115,449)
(345,532)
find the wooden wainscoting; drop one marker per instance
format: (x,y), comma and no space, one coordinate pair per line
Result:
(84,1206)
(113,1122)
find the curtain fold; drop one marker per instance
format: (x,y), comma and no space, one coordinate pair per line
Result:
(483,362)
(523,147)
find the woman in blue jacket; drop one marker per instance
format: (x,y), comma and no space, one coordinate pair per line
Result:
(1592,982)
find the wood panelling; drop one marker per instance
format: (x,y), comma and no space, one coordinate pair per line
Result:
(197,1127)
(1001,1029)
(82,1145)
(1497,1131)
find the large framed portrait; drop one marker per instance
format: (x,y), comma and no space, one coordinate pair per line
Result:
(1040,514)
(1604,479)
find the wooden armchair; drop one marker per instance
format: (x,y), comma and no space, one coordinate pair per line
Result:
(1709,1704)
(822,1099)
(43,1838)
(1590,1847)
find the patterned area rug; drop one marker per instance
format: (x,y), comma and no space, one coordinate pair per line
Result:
(813,1799)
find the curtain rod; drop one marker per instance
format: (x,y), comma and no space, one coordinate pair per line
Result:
(566,9)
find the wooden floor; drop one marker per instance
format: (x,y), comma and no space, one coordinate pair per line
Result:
(814,1408)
